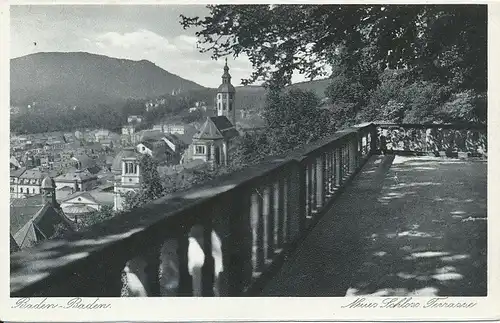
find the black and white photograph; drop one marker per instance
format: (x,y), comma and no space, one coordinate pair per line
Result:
(249,150)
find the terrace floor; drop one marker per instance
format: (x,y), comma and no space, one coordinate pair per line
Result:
(405,226)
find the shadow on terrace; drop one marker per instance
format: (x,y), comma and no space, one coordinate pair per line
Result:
(426,234)
(304,224)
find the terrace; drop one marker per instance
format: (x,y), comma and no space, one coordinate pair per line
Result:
(377,209)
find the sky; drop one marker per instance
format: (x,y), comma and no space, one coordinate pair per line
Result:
(136,32)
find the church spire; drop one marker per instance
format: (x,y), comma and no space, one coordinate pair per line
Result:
(226,77)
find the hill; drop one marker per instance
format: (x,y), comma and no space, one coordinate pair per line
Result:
(84,79)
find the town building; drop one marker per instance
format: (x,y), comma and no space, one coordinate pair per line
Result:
(134,119)
(78,180)
(37,218)
(173,128)
(29,182)
(82,203)
(15,175)
(126,173)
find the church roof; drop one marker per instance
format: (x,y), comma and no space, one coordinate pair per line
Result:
(216,128)
(209,131)
(48,182)
(225,126)
(226,88)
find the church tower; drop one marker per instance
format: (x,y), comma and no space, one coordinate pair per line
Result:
(48,188)
(225,97)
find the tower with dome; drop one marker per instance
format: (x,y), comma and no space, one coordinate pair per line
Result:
(225,97)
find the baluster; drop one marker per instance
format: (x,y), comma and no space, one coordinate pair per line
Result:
(307,187)
(309,208)
(314,190)
(328,174)
(103,278)
(285,213)
(350,157)
(185,287)
(336,167)
(343,161)
(341,165)
(320,184)
(281,214)
(152,270)
(260,246)
(268,215)
(334,170)
(208,269)
(348,147)
(239,262)
(359,151)
(300,212)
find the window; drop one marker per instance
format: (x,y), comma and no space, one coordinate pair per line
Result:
(12,190)
(130,168)
(21,189)
(200,149)
(224,96)
(143,148)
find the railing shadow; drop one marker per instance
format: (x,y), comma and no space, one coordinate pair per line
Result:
(426,253)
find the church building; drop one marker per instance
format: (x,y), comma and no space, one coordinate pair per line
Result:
(213,141)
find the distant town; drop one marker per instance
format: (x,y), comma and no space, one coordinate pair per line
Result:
(58,177)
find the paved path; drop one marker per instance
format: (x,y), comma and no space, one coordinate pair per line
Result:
(405,226)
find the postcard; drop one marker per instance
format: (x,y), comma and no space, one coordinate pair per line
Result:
(250,162)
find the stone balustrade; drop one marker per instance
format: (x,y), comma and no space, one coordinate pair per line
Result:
(224,238)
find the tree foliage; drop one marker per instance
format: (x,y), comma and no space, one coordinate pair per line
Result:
(293,118)
(441,43)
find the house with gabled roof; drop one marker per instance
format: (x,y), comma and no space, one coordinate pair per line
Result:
(82,203)
(78,180)
(36,218)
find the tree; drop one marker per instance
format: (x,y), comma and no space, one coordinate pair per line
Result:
(441,43)
(152,186)
(104,213)
(293,118)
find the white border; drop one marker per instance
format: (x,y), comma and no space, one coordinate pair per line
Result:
(261,309)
